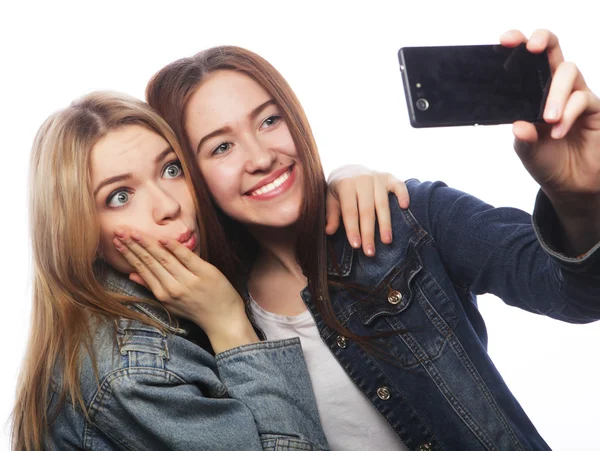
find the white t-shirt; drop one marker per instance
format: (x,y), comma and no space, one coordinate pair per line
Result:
(349,420)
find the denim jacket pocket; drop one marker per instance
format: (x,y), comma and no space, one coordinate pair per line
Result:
(411,306)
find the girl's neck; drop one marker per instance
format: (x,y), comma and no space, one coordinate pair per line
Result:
(276,252)
(276,278)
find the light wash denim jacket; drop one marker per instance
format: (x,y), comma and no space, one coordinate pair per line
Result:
(437,386)
(160,391)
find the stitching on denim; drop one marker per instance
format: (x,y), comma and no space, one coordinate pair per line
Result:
(104,388)
(387,281)
(294,444)
(464,358)
(436,317)
(457,346)
(263,345)
(427,362)
(464,415)
(88,443)
(175,330)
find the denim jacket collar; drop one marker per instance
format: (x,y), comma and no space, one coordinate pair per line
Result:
(118,283)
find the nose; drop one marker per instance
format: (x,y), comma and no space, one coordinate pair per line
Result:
(259,157)
(164,206)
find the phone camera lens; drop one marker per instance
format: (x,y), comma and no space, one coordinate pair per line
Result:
(422,104)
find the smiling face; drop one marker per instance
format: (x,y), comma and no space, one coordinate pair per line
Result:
(245,151)
(138,184)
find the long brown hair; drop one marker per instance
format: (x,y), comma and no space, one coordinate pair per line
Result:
(169,92)
(67,288)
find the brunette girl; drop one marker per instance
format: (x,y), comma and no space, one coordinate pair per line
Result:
(395,345)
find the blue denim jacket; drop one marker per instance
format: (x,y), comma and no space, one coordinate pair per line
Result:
(160,391)
(437,386)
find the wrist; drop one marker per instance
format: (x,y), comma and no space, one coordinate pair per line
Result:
(232,333)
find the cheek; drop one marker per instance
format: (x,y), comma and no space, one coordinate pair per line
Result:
(285,142)
(129,218)
(108,251)
(223,182)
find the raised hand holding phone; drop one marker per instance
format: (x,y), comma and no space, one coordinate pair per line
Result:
(563,153)
(188,287)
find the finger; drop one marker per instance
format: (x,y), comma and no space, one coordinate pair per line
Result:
(366,210)
(541,40)
(135,277)
(526,135)
(186,257)
(399,188)
(161,263)
(578,103)
(333,213)
(382,207)
(349,207)
(512,38)
(567,78)
(140,268)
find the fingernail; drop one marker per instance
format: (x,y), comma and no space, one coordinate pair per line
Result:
(552,113)
(356,243)
(136,236)
(556,132)
(120,232)
(118,244)
(387,237)
(163,241)
(370,250)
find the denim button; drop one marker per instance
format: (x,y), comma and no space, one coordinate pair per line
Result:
(341,341)
(394,297)
(425,447)
(383,393)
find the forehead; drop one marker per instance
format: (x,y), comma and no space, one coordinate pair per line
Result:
(223,94)
(126,149)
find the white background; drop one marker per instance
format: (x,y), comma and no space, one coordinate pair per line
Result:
(340,57)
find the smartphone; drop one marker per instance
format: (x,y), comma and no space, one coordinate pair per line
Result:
(474,84)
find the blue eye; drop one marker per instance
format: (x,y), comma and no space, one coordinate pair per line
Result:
(221,148)
(271,121)
(172,170)
(118,198)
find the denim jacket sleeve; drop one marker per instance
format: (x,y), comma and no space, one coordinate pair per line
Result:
(503,252)
(268,404)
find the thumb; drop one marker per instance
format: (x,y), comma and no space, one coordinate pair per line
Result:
(526,135)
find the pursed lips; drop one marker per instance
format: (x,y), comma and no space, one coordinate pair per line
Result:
(188,239)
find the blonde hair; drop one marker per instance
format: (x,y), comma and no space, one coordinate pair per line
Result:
(67,265)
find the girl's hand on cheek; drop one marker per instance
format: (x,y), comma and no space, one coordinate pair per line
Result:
(358,195)
(188,287)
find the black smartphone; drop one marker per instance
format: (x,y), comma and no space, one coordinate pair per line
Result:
(474,84)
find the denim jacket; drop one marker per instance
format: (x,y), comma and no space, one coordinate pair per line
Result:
(436,384)
(158,391)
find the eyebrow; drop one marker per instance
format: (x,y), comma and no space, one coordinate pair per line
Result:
(255,112)
(110,180)
(161,156)
(122,177)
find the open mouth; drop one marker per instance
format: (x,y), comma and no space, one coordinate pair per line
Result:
(276,186)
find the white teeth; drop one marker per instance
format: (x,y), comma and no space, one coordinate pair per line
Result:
(271,186)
